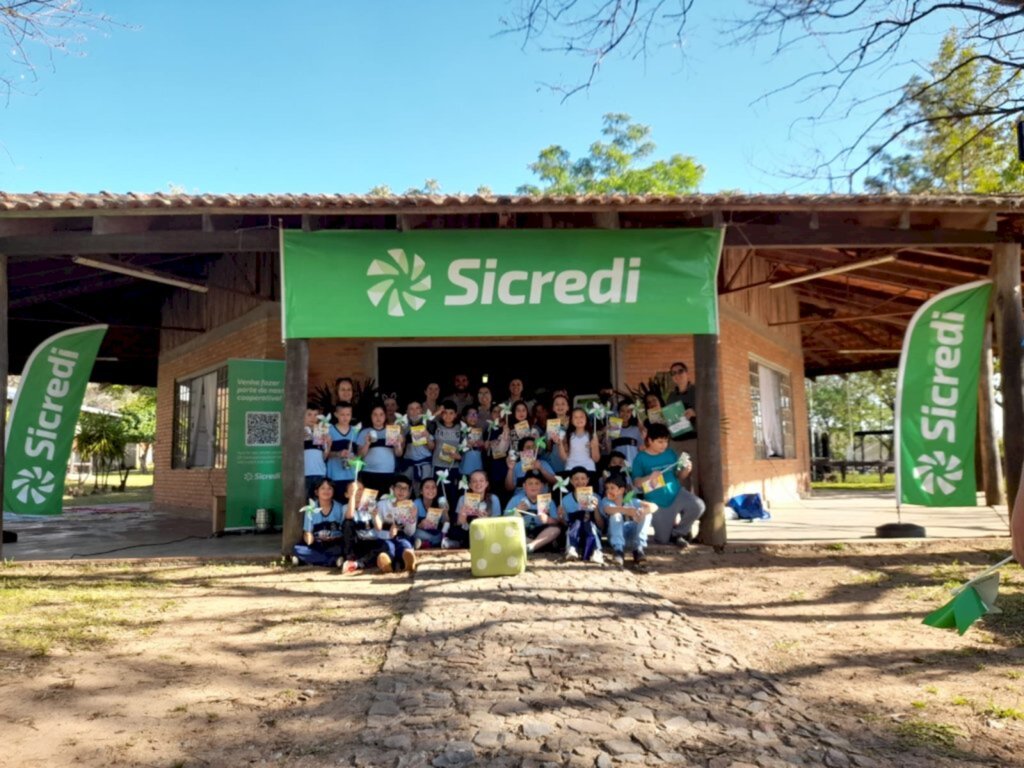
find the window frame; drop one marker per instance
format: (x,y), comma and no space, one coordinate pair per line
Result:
(784,407)
(181,420)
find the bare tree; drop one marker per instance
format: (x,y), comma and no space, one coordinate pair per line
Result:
(34,30)
(860,40)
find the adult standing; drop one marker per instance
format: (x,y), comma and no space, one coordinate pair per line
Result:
(430,397)
(462,397)
(685,392)
(484,400)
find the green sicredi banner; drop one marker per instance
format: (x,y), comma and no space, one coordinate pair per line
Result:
(44,414)
(475,283)
(937,398)
(255,408)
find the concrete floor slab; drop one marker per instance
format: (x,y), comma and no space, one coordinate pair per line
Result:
(140,530)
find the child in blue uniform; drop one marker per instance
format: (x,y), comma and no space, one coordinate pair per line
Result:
(430,532)
(488,506)
(315,447)
(628,521)
(343,447)
(379,456)
(543,528)
(630,438)
(473,459)
(515,472)
(322,536)
(583,520)
(360,543)
(416,463)
(398,552)
(447,437)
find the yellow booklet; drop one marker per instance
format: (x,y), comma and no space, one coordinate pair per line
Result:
(614,427)
(653,483)
(392,434)
(449,453)
(418,432)
(472,503)
(405,512)
(554,430)
(522,429)
(433,519)
(367,500)
(543,503)
(585,497)
(529,460)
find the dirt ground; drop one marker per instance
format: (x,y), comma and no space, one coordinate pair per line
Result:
(841,623)
(186,664)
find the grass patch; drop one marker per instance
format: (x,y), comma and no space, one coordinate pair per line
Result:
(41,611)
(138,490)
(925,733)
(855,482)
(1003,713)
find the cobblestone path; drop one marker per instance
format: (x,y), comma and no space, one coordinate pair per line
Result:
(525,672)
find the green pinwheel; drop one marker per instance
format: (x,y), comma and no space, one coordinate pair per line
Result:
(355,465)
(541,444)
(973,600)
(562,486)
(505,409)
(401,420)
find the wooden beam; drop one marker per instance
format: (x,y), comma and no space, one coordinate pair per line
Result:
(120,225)
(709,439)
(194,241)
(296,386)
(843,319)
(768,236)
(837,269)
(83,287)
(991,470)
(1010,329)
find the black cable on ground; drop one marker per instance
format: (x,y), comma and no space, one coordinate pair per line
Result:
(137,546)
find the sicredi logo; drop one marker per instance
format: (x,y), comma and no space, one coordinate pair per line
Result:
(481,281)
(936,471)
(36,484)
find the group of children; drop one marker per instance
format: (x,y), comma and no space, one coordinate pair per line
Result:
(418,480)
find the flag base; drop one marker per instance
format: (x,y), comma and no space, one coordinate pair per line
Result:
(10,537)
(900,531)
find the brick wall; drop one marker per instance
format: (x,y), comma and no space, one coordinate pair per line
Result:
(256,335)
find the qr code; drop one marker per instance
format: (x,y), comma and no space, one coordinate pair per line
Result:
(262,428)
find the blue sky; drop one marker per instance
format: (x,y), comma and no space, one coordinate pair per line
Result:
(321,96)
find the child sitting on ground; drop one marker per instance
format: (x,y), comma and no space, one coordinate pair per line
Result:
(579,511)
(477,502)
(433,522)
(396,519)
(527,461)
(543,528)
(360,543)
(627,520)
(321,529)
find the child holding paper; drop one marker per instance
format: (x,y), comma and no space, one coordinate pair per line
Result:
(519,421)
(580,513)
(627,520)
(447,437)
(315,447)
(579,447)
(321,529)
(473,437)
(419,446)
(396,518)
(543,528)
(360,543)
(477,502)
(343,447)
(657,472)
(433,522)
(555,429)
(378,453)
(625,435)
(516,468)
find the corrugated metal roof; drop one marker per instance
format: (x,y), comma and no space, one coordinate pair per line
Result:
(14,202)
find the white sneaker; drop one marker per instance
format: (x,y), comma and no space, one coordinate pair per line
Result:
(597,557)
(447,543)
(295,560)
(571,554)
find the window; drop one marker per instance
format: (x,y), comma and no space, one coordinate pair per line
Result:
(771,401)
(201,421)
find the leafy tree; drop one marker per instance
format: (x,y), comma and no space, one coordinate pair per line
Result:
(953,143)
(140,411)
(104,437)
(613,166)
(862,39)
(844,404)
